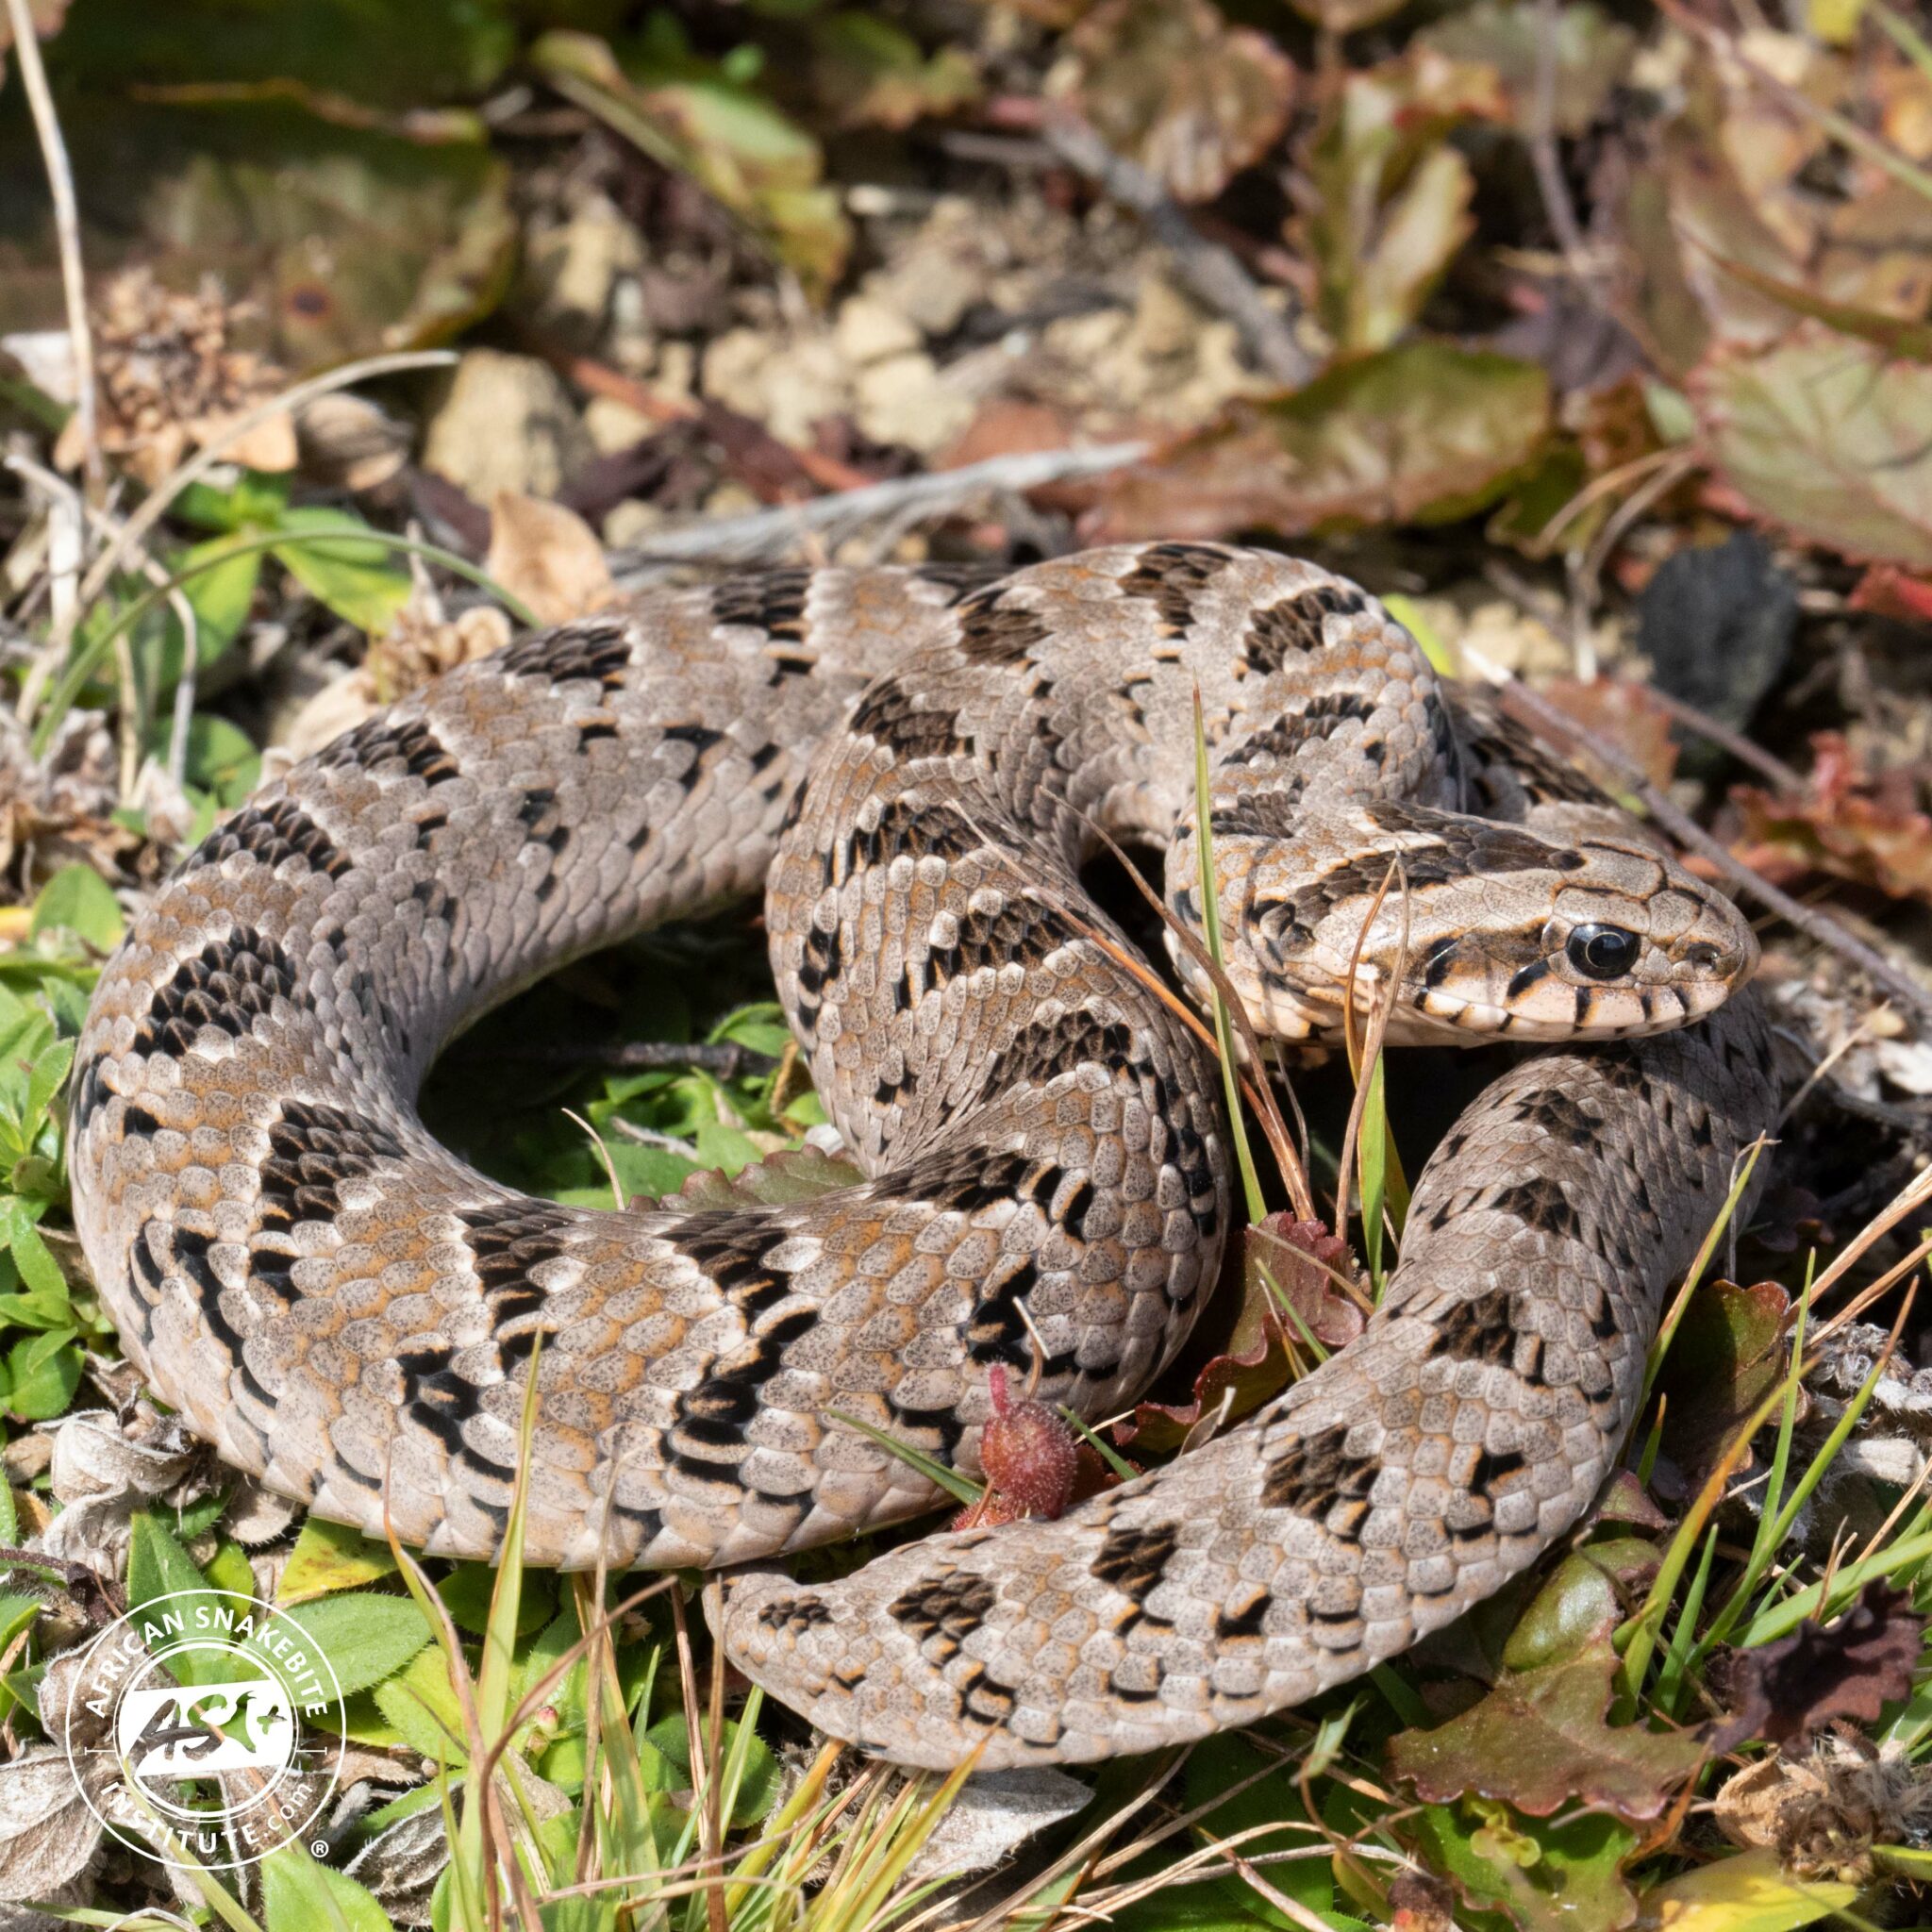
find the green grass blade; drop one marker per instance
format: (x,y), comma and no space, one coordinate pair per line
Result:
(1102,1448)
(84,663)
(1210,926)
(962,1489)
(1666,1329)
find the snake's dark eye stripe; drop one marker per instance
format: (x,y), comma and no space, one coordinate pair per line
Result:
(1521,982)
(1603,952)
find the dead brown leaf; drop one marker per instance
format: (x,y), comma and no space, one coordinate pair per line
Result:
(1171,84)
(547,558)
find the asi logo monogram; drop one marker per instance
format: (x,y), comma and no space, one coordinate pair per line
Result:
(187,1733)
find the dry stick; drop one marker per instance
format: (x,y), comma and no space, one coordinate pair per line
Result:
(1688,833)
(177,602)
(1658,484)
(1215,274)
(1790,782)
(768,533)
(26,50)
(1544,157)
(702,1772)
(1366,1056)
(715,1915)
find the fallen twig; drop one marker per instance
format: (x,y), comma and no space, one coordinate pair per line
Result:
(1781,777)
(768,533)
(1215,274)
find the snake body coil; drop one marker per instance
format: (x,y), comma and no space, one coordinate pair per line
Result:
(907,763)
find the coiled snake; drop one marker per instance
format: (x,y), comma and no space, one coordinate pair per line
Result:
(907,763)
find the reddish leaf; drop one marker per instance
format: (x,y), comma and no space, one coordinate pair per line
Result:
(1729,1352)
(1625,1500)
(1783,1692)
(1300,1259)
(1889,592)
(1615,711)
(1854,825)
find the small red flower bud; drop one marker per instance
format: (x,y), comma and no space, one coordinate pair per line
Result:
(1028,1454)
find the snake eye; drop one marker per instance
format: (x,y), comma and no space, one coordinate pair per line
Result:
(1602,952)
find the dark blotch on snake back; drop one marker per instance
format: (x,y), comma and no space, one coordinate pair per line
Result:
(379,744)
(942,1614)
(1171,576)
(904,728)
(995,632)
(1134,1560)
(230,983)
(271,834)
(313,1149)
(1314,1472)
(598,652)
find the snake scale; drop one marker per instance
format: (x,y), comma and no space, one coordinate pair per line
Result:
(909,763)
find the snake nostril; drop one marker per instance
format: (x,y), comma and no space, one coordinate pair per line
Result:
(1701,955)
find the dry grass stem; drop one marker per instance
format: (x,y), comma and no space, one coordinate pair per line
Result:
(33,74)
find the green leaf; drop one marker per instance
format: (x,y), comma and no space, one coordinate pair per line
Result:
(365,1637)
(430,51)
(222,758)
(299,1895)
(40,1376)
(50,1069)
(157,1566)
(1266,1816)
(1549,1878)
(37,1265)
(228,1569)
(328,1556)
(701,120)
(466,1593)
(340,561)
(251,501)
(81,900)
(162,1579)
(670,1740)
(421,1705)
(220,590)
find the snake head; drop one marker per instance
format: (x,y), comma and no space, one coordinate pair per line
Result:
(1575,930)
